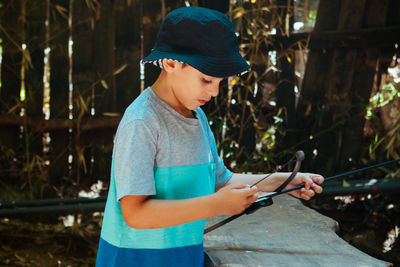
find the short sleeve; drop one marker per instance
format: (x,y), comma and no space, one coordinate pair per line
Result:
(134,154)
(223,174)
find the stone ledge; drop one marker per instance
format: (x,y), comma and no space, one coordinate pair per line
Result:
(284,234)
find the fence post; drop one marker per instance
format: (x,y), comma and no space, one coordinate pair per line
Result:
(59,67)
(10,71)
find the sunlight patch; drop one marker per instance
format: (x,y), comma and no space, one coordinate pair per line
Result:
(391,239)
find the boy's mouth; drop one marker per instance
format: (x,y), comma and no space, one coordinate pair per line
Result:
(202,102)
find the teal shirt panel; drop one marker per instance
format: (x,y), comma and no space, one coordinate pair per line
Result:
(178,182)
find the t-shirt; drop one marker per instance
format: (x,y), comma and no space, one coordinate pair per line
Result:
(159,152)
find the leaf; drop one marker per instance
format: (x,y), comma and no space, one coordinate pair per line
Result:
(266,136)
(234,81)
(120,69)
(63,11)
(238,12)
(345,183)
(146,20)
(80,102)
(13,109)
(19,257)
(111,114)
(104,84)
(81,157)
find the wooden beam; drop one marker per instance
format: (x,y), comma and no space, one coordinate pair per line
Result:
(362,38)
(42,125)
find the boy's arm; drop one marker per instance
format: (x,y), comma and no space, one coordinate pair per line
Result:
(309,180)
(142,212)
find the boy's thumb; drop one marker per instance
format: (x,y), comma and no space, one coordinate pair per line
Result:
(240,186)
(244,186)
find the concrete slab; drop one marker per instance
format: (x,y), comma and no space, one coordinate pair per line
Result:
(284,234)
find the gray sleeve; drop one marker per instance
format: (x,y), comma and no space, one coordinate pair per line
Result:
(134,154)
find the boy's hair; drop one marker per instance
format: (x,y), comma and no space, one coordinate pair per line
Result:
(202,38)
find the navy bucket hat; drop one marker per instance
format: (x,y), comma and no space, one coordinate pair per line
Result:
(201,37)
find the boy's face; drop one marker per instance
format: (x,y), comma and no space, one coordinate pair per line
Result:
(191,88)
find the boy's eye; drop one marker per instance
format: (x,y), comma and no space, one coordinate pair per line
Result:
(204,80)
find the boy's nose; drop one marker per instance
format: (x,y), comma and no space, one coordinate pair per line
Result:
(214,90)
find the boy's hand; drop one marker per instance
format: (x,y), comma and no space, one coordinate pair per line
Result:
(234,199)
(311,183)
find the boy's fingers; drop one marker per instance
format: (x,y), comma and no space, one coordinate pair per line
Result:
(307,182)
(253,197)
(253,190)
(316,188)
(310,179)
(317,178)
(306,194)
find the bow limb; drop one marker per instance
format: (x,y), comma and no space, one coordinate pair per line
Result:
(264,201)
(299,158)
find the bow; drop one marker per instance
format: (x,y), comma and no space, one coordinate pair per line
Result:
(266,200)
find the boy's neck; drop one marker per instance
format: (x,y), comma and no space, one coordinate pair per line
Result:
(163,90)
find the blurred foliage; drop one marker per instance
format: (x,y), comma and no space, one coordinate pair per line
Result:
(389,142)
(371,223)
(244,123)
(49,244)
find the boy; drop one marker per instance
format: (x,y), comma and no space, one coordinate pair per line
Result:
(166,175)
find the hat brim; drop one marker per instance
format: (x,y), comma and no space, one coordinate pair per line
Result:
(221,67)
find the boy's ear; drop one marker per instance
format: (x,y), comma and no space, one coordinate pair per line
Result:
(169,64)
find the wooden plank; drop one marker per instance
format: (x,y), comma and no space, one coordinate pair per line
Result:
(127,52)
(104,58)
(35,39)
(151,25)
(365,66)
(314,81)
(327,15)
(284,234)
(328,39)
(59,62)
(98,153)
(337,87)
(59,86)
(393,16)
(345,88)
(12,35)
(10,70)
(42,125)
(96,143)
(284,92)
(84,77)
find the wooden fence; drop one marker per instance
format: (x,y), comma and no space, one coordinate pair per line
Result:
(68,71)
(88,53)
(352,45)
